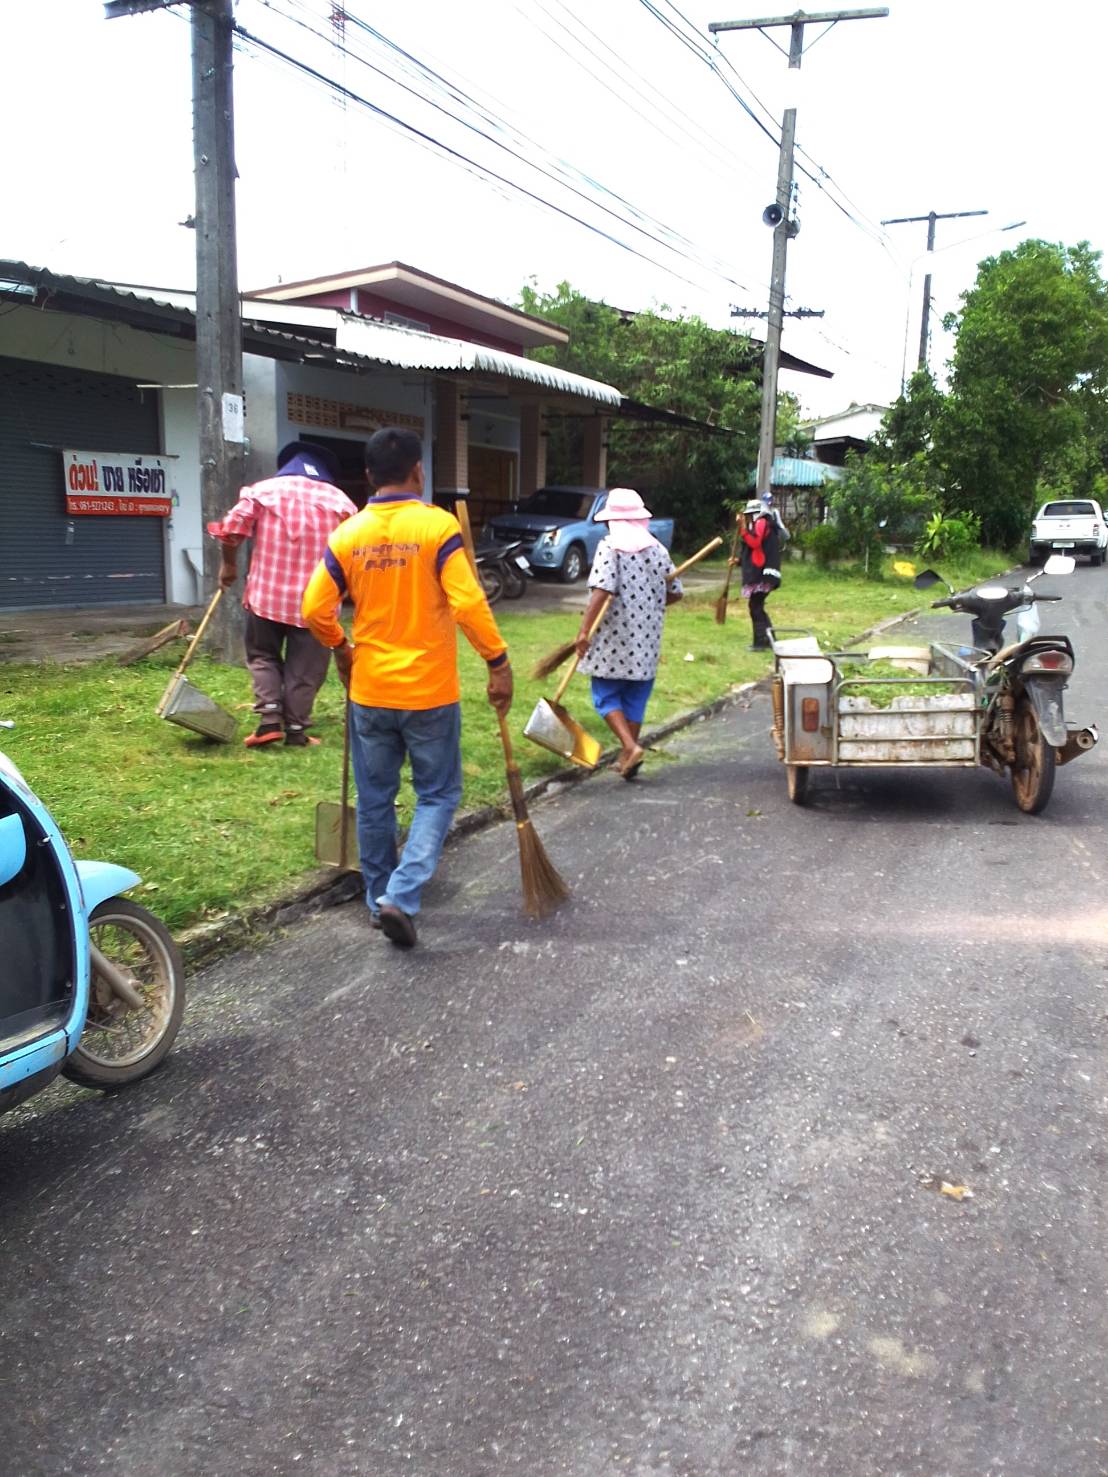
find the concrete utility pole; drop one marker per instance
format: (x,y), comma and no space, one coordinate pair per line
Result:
(218,315)
(904,220)
(780,215)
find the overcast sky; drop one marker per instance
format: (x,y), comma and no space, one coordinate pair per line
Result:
(946,105)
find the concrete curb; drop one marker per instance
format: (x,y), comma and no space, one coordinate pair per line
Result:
(324,888)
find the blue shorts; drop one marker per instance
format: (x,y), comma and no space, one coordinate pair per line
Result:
(610,694)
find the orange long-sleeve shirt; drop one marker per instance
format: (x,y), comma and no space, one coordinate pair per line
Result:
(403,563)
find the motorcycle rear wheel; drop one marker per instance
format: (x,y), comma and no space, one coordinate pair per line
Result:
(120,1045)
(492,582)
(1035,765)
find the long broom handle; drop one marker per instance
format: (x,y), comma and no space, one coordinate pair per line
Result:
(193,644)
(344,834)
(600,614)
(461,512)
(696,558)
(731,561)
(515,779)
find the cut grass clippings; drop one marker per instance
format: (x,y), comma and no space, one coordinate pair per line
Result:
(212,828)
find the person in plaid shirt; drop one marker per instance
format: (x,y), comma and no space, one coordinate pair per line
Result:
(290,518)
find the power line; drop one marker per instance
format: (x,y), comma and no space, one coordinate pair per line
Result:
(695,254)
(456,155)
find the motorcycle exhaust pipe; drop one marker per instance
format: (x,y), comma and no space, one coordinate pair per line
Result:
(1078,741)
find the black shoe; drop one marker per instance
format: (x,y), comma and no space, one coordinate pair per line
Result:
(397,926)
(296,738)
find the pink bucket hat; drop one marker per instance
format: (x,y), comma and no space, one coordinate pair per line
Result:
(623,502)
(628,520)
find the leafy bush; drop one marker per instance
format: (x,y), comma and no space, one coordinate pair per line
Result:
(948,536)
(875,504)
(823,543)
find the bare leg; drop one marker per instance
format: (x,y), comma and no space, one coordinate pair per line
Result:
(627,734)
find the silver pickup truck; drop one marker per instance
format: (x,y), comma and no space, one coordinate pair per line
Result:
(1070,526)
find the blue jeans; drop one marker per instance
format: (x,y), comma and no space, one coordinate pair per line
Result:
(380,738)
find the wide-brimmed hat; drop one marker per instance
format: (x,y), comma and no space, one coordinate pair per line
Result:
(312,460)
(622,503)
(754,506)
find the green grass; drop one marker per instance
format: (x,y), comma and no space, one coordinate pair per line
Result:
(214,827)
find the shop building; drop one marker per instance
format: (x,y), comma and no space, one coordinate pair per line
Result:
(99,462)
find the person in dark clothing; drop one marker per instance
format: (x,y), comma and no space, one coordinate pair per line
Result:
(761,567)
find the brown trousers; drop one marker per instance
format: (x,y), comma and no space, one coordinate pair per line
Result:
(287,668)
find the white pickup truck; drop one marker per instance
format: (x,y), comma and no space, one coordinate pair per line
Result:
(1072,526)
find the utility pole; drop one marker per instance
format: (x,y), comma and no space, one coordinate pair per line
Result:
(218,314)
(925,321)
(781,217)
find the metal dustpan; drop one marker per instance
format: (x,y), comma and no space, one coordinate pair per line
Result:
(186,705)
(190,708)
(551,726)
(336,825)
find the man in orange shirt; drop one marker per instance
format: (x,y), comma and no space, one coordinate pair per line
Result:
(403,564)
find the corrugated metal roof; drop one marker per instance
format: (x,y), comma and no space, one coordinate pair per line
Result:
(409,348)
(799,471)
(356,339)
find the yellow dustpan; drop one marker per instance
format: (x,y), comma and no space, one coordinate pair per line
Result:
(551,726)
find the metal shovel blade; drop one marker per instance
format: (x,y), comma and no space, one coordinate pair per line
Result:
(552,728)
(328,836)
(190,708)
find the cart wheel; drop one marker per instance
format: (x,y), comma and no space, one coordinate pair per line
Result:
(1033,771)
(796,776)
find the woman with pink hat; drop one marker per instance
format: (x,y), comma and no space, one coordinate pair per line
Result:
(622,658)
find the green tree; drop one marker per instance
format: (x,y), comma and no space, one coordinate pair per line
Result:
(680,364)
(1027,405)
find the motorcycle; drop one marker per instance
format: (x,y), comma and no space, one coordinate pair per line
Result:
(503,570)
(1023,728)
(92,984)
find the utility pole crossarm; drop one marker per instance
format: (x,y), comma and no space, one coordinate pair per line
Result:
(801,18)
(116,9)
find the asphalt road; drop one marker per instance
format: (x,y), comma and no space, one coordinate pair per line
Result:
(645,1189)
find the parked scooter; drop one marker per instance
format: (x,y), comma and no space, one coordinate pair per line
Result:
(91,985)
(503,570)
(1024,729)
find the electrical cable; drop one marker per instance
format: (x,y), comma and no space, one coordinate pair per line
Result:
(456,155)
(713,264)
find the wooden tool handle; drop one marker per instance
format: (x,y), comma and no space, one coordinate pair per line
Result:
(601,613)
(344,834)
(461,512)
(515,779)
(201,628)
(695,559)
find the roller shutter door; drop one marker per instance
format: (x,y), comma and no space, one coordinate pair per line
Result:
(46,557)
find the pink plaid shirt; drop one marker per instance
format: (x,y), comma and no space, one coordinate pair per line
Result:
(290,520)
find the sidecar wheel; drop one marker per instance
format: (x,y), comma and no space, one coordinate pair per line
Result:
(796,777)
(120,1044)
(1034,769)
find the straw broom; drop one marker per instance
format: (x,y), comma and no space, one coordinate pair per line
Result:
(553,660)
(721,603)
(543,887)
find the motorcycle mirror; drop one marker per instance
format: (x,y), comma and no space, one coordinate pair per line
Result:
(1060,564)
(926,578)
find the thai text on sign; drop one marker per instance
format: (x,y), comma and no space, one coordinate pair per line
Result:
(125,484)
